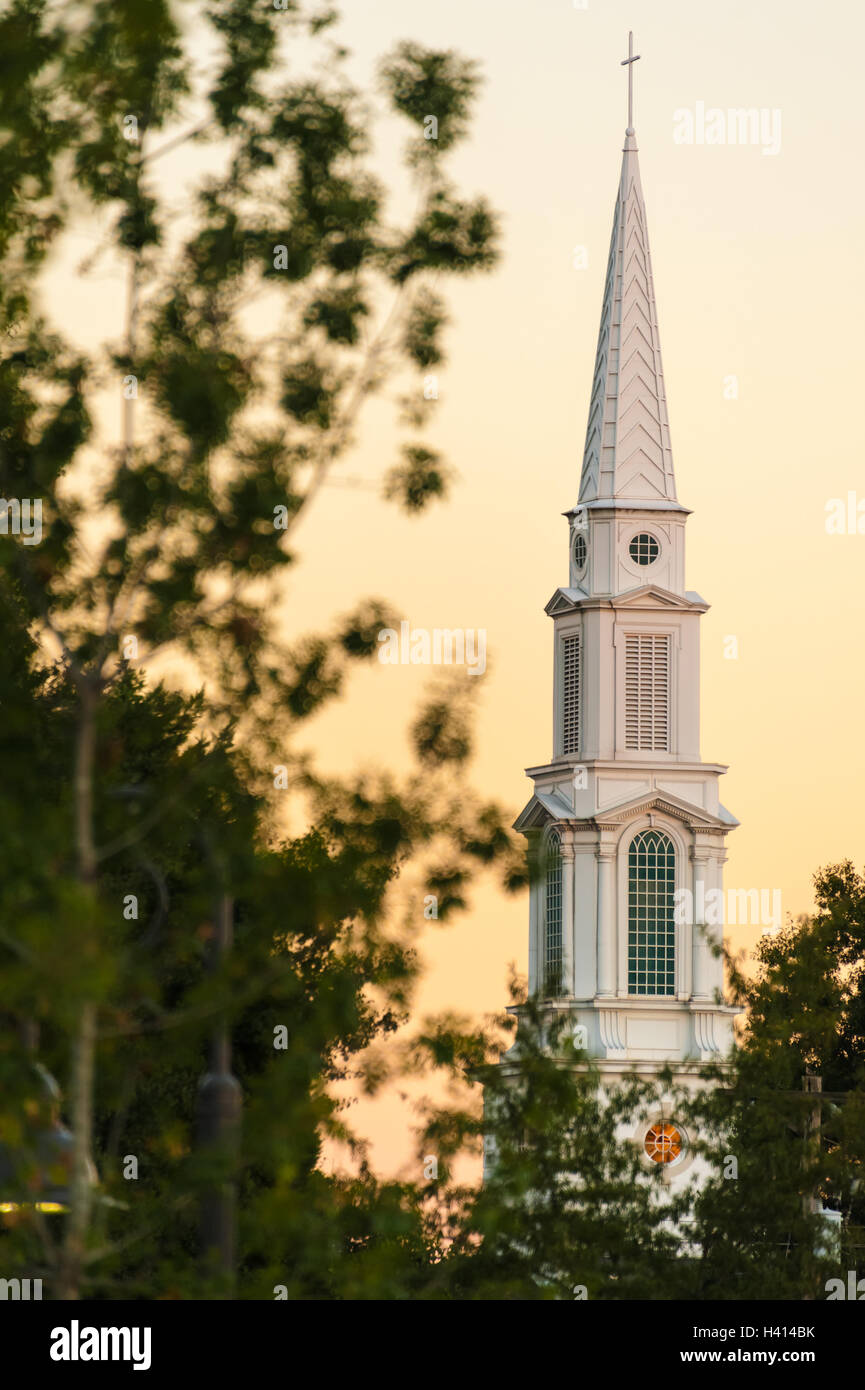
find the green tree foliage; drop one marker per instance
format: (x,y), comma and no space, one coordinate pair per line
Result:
(759,1221)
(569,1208)
(570,1202)
(130,805)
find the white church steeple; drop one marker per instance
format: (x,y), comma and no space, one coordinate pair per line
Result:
(627,453)
(626,815)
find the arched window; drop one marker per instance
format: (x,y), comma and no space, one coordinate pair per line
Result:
(651,921)
(553,916)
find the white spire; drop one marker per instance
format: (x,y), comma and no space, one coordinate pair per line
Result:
(628,452)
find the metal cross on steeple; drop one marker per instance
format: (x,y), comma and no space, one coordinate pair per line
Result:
(628,63)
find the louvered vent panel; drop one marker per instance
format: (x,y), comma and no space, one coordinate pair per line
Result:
(647,692)
(571,700)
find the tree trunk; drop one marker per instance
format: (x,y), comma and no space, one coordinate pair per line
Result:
(82,1059)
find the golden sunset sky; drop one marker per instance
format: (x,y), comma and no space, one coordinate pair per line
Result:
(758,275)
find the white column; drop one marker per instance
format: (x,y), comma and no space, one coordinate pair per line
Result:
(568,911)
(716,934)
(606,921)
(585,919)
(702,953)
(534,911)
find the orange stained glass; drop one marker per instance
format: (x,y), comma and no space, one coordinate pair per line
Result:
(663,1143)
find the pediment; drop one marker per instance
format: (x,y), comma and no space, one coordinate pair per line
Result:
(654,597)
(544,808)
(564,601)
(651,597)
(548,808)
(694,816)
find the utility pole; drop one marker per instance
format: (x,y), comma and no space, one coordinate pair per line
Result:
(813,1085)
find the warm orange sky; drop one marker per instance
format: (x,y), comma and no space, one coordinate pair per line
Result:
(757,271)
(757,274)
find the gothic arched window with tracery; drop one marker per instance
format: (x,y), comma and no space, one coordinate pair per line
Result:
(651,919)
(553,916)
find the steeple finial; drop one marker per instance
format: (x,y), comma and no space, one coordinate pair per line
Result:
(628,63)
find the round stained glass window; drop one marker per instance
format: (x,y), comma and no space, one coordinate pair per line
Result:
(644,549)
(664,1143)
(579,551)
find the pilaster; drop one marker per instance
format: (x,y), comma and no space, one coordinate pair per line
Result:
(607,971)
(567,853)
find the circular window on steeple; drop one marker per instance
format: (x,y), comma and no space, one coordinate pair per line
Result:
(644,549)
(664,1143)
(580,552)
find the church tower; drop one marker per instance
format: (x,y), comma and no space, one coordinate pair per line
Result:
(625,815)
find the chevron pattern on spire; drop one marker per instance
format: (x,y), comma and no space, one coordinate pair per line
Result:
(628,452)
